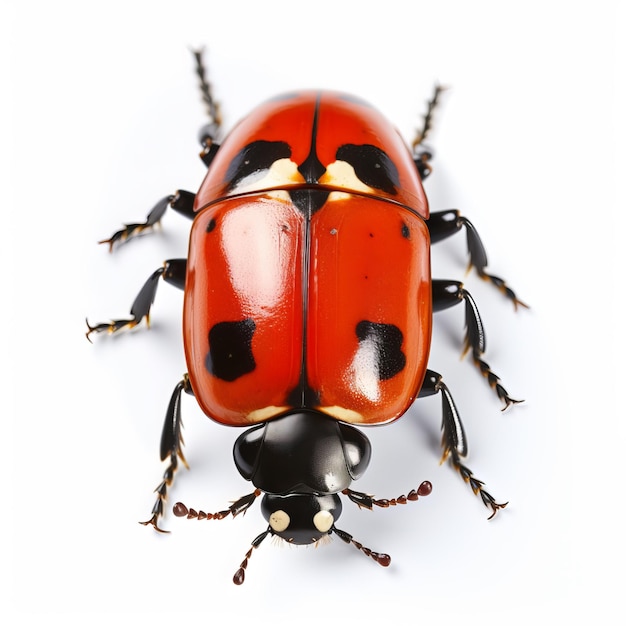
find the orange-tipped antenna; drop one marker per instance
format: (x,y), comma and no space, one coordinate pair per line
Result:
(240,574)
(364,500)
(379,557)
(236,508)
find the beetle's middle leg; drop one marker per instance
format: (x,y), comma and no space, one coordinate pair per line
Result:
(173,272)
(447,293)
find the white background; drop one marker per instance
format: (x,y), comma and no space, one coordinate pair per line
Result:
(101,109)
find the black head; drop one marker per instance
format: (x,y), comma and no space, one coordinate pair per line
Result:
(301,518)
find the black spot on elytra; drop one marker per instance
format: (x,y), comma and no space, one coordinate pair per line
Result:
(406,233)
(372,166)
(230,349)
(387,339)
(210,226)
(255,157)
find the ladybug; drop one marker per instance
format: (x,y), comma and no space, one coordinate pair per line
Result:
(308,305)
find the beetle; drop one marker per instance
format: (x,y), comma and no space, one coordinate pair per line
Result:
(308,305)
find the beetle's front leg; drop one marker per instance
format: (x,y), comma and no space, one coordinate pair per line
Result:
(172,447)
(447,293)
(181,201)
(444,224)
(173,272)
(453,440)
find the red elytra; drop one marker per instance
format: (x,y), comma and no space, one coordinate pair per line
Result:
(304,280)
(322,122)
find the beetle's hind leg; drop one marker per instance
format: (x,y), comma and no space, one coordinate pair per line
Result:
(454,441)
(447,293)
(181,201)
(210,131)
(172,447)
(422,154)
(173,272)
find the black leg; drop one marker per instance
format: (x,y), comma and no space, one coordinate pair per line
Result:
(447,293)
(453,440)
(422,154)
(173,272)
(181,201)
(209,132)
(172,447)
(444,224)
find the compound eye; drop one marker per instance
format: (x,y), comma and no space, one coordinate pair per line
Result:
(279,521)
(323,521)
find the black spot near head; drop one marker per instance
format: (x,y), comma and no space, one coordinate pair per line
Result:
(230,349)
(210,226)
(255,157)
(406,233)
(387,339)
(372,166)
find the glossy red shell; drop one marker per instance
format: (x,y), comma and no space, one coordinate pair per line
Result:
(341,119)
(329,309)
